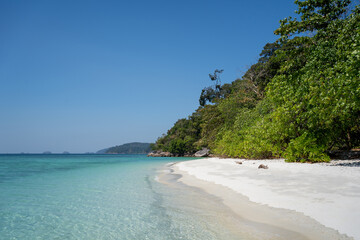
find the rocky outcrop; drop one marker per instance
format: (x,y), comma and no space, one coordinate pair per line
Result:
(187,155)
(160,154)
(202,153)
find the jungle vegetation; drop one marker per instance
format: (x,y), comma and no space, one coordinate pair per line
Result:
(300,101)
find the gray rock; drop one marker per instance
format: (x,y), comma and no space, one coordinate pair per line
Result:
(166,154)
(202,153)
(159,154)
(152,153)
(263,166)
(188,155)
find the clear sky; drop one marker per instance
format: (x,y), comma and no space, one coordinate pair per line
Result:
(79,76)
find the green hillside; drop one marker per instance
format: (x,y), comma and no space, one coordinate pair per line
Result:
(300,101)
(128,148)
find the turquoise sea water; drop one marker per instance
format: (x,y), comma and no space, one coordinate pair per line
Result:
(99,197)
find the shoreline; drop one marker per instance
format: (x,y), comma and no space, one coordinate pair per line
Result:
(316,201)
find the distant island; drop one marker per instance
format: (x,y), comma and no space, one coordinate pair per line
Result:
(127,148)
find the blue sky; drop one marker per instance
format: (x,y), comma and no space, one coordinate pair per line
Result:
(79,76)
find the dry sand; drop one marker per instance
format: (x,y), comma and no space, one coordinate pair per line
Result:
(289,200)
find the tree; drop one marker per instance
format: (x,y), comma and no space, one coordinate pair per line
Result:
(314,15)
(217,91)
(299,101)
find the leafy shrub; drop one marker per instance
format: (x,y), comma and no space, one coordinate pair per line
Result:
(305,149)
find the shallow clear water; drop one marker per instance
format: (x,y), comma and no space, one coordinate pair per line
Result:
(99,197)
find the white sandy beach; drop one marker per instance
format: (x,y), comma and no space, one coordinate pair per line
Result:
(318,201)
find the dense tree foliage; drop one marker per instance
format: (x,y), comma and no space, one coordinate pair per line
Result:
(300,101)
(182,137)
(217,91)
